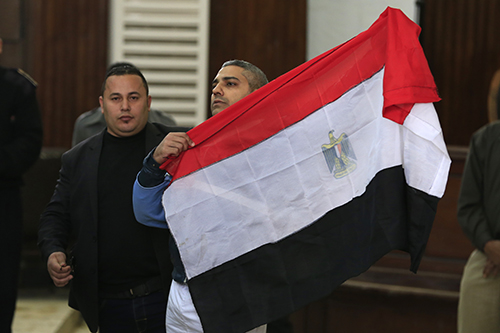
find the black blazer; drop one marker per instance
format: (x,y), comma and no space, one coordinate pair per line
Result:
(73,212)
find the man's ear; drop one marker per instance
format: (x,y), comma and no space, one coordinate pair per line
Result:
(1,45)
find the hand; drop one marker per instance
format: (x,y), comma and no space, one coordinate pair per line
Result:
(490,269)
(59,271)
(492,251)
(172,145)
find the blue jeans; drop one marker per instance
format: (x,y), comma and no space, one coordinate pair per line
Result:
(138,315)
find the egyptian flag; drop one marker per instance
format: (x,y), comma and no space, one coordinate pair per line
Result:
(309,180)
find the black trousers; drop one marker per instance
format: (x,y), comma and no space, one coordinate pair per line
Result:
(11,234)
(144,314)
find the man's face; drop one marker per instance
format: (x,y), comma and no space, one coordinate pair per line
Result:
(125,105)
(228,87)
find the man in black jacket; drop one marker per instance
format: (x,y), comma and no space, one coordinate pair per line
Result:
(20,145)
(119,270)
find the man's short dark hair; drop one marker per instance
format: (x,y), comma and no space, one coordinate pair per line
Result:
(123,68)
(256,78)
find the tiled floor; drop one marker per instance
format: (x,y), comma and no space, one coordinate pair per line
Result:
(40,312)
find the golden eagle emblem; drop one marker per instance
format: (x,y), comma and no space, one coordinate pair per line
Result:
(339,155)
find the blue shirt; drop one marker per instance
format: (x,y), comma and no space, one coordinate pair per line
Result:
(148,190)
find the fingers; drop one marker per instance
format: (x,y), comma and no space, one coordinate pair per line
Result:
(58,270)
(175,143)
(494,271)
(172,145)
(490,269)
(61,279)
(492,251)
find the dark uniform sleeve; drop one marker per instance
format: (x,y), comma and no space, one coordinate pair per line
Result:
(55,224)
(20,125)
(471,202)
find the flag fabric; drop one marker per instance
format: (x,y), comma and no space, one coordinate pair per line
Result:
(309,180)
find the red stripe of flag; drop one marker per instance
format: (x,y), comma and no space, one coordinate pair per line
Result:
(296,94)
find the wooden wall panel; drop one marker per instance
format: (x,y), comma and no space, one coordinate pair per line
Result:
(70,50)
(70,46)
(70,57)
(369,309)
(460,39)
(271,34)
(11,32)
(10,23)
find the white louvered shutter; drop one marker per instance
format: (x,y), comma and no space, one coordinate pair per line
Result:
(168,41)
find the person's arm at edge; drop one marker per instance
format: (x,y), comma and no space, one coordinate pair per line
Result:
(54,229)
(471,216)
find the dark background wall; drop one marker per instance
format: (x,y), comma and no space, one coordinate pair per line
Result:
(63,46)
(461,41)
(12,31)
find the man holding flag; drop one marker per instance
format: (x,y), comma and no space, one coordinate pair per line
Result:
(234,81)
(306,182)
